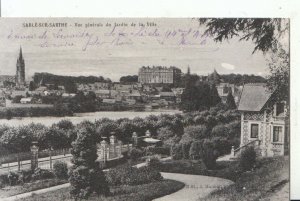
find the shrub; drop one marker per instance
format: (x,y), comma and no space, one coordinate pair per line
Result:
(158,150)
(42,174)
(176,152)
(128,175)
(194,152)
(208,154)
(222,145)
(194,132)
(220,131)
(185,147)
(247,159)
(13,178)
(60,169)
(135,153)
(164,133)
(153,162)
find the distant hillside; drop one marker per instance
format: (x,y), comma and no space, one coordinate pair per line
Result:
(47,78)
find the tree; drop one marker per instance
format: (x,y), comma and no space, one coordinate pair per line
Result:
(129,79)
(230,101)
(195,150)
(86,177)
(70,87)
(208,153)
(268,35)
(278,82)
(214,96)
(32,86)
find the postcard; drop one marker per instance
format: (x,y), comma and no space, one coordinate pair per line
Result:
(144,109)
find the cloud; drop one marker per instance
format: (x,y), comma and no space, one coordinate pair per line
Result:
(228,66)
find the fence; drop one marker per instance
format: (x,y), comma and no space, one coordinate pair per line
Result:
(46,158)
(23,160)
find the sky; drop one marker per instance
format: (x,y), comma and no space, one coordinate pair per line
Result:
(114,50)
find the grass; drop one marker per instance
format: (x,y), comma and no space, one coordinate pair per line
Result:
(270,175)
(144,192)
(31,186)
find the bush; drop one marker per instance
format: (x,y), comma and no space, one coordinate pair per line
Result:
(208,154)
(128,175)
(176,152)
(153,162)
(60,169)
(158,150)
(42,174)
(194,152)
(220,131)
(13,178)
(247,159)
(135,153)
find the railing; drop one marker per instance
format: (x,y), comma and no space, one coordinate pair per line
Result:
(22,156)
(234,152)
(21,161)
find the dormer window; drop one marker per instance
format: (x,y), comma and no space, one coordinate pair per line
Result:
(279,109)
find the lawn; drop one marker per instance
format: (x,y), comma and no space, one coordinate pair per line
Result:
(269,177)
(142,192)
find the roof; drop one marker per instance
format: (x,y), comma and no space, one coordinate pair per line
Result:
(254,97)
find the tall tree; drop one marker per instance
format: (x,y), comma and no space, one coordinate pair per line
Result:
(279,82)
(86,176)
(230,100)
(214,96)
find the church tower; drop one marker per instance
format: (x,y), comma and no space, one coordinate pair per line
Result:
(20,75)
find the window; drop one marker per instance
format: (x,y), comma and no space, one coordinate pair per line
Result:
(254,131)
(279,109)
(277,132)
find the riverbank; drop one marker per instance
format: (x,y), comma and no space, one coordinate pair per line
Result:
(79,117)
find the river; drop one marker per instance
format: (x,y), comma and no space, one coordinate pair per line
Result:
(79,117)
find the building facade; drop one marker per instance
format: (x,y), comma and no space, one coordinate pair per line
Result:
(264,122)
(20,74)
(159,74)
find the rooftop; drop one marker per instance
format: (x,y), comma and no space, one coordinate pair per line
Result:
(254,97)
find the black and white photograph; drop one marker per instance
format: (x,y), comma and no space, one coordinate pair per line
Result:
(141,109)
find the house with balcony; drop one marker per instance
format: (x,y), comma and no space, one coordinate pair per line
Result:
(264,122)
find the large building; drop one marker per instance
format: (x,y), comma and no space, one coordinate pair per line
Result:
(20,74)
(159,74)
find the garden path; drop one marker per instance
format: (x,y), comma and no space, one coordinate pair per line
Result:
(196,186)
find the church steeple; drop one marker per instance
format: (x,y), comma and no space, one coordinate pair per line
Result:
(20,74)
(20,54)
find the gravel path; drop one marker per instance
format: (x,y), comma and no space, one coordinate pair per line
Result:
(196,186)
